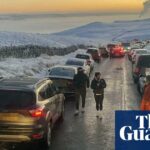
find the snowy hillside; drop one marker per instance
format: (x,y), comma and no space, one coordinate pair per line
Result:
(116,31)
(93,33)
(11,67)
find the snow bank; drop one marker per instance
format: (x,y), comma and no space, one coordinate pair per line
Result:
(12,67)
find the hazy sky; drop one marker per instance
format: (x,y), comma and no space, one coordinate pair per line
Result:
(22,6)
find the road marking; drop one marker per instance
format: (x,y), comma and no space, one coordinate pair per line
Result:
(124,100)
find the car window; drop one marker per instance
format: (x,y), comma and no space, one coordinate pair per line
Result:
(82,56)
(16,99)
(90,51)
(54,88)
(46,93)
(75,63)
(59,71)
(144,61)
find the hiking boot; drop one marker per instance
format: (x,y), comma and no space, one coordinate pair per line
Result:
(97,114)
(83,110)
(76,113)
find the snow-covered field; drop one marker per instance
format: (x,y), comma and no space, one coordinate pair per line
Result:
(93,33)
(38,67)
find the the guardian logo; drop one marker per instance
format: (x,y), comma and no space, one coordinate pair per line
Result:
(128,133)
(132,130)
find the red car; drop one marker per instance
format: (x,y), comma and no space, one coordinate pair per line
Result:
(117,51)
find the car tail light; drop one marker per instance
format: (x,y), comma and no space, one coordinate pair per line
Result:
(37,136)
(38,112)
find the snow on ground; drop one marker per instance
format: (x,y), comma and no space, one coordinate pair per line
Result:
(38,67)
(93,33)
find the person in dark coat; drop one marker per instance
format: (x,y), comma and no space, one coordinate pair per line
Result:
(81,82)
(98,85)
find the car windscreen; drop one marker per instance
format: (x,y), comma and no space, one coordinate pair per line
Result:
(66,72)
(144,61)
(16,99)
(82,56)
(74,63)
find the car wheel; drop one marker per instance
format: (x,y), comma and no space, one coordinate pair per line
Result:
(46,141)
(62,113)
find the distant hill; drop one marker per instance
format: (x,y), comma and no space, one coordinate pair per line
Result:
(92,33)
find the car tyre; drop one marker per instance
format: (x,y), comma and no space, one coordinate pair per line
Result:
(46,141)
(61,119)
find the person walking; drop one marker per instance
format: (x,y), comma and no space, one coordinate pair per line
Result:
(145,103)
(98,85)
(81,82)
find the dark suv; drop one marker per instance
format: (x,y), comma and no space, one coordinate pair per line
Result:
(95,53)
(29,108)
(139,66)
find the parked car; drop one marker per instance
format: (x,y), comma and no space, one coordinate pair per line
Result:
(131,52)
(147,47)
(138,68)
(79,63)
(142,81)
(88,58)
(62,77)
(117,51)
(29,108)
(136,53)
(95,53)
(104,52)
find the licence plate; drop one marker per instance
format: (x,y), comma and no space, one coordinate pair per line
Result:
(9,117)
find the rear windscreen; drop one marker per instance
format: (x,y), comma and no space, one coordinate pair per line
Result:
(90,51)
(126,44)
(82,56)
(66,72)
(16,99)
(74,63)
(144,62)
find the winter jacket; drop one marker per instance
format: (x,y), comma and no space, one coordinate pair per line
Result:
(98,86)
(81,81)
(145,104)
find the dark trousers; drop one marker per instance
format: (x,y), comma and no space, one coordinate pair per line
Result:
(80,93)
(99,101)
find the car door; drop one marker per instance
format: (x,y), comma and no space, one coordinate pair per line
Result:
(59,100)
(47,99)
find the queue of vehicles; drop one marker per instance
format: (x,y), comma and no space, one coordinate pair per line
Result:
(33,106)
(140,61)
(30,107)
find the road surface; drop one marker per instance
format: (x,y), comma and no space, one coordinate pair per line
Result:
(86,132)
